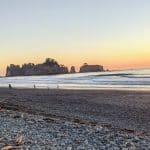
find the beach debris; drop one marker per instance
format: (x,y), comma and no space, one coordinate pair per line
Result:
(19,139)
(17,145)
(50,119)
(9,147)
(76,120)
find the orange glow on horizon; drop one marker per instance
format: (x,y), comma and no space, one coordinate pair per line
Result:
(111,64)
(112,56)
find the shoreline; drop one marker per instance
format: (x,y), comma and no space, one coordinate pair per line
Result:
(128,89)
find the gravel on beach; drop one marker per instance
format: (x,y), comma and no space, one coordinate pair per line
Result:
(45,133)
(74,119)
(122,109)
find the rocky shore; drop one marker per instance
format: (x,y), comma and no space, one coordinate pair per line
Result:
(45,133)
(74,120)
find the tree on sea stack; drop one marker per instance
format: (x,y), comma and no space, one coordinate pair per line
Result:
(50,62)
(48,67)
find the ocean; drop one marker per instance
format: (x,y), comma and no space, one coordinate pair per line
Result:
(138,79)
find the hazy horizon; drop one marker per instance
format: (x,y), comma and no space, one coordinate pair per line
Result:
(114,34)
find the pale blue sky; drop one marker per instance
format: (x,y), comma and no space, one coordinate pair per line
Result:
(64,26)
(74,18)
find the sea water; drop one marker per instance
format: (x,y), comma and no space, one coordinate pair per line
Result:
(128,79)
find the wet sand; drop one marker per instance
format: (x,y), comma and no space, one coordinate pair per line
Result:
(119,109)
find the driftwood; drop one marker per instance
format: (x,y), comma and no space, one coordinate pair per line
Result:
(17,145)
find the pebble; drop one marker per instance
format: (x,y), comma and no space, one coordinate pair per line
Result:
(64,135)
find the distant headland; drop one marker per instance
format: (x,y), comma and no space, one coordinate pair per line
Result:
(48,67)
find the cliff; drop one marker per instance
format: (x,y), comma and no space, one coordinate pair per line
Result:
(49,67)
(91,68)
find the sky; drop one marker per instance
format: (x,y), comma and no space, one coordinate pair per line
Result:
(114,33)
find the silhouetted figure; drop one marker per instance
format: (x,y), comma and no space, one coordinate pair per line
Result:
(34,86)
(10,87)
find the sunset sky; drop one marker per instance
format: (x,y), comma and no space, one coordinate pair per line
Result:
(114,33)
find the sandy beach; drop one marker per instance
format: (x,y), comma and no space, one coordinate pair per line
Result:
(123,112)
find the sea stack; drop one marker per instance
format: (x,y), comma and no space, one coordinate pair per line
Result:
(72,70)
(91,68)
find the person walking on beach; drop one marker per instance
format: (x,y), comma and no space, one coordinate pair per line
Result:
(10,87)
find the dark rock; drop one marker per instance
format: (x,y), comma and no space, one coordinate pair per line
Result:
(49,67)
(91,68)
(72,70)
